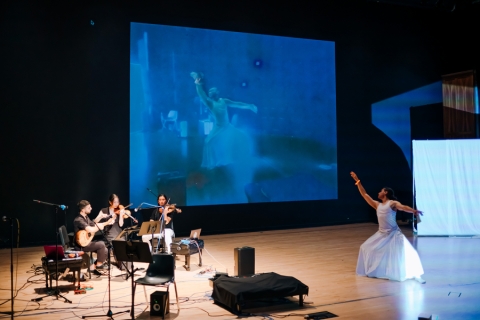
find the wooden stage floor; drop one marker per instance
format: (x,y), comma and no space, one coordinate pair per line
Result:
(323,258)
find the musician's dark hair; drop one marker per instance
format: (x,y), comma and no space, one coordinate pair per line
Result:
(112,197)
(162,195)
(82,204)
(390,193)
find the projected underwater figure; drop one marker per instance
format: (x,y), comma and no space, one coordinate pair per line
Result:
(388,254)
(225,143)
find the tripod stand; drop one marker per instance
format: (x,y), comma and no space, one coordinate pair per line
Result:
(109,314)
(11,266)
(56,291)
(125,235)
(133,252)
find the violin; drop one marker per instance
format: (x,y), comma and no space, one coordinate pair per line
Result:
(170,208)
(127,213)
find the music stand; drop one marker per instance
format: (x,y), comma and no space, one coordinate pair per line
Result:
(133,252)
(150,227)
(125,235)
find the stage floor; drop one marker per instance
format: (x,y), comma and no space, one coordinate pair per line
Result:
(323,258)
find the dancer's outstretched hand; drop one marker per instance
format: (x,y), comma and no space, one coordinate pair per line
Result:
(354,176)
(418,212)
(197,76)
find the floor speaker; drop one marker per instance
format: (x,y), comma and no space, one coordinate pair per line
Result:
(244,261)
(159,303)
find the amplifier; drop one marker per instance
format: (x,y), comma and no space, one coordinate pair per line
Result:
(159,303)
(244,261)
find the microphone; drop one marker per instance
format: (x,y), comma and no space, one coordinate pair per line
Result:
(138,208)
(63,207)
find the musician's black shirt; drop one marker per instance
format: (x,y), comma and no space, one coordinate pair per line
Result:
(80,223)
(156,217)
(111,231)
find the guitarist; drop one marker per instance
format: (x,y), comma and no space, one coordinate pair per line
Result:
(83,222)
(165,215)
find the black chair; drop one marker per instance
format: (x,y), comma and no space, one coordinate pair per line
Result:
(160,273)
(67,246)
(65,240)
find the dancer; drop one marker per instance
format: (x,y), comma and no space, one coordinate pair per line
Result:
(223,142)
(388,254)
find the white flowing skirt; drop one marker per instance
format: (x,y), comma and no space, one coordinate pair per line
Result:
(389,255)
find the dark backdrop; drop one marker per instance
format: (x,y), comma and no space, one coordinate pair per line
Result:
(65,100)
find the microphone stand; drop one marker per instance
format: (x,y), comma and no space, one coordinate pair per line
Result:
(162,230)
(55,292)
(109,312)
(11,267)
(162,238)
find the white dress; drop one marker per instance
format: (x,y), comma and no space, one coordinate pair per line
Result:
(225,144)
(388,254)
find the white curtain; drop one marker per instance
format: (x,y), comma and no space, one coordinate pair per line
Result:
(447,186)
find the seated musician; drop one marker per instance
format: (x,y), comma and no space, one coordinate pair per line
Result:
(83,222)
(165,215)
(116,211)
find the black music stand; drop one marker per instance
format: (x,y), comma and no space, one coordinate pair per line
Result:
(133,252)
(150,227)
(125,235)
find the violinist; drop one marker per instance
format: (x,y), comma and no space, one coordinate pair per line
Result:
(115,211)
(165,215)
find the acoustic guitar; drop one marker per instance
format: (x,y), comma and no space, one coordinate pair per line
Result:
(83,237)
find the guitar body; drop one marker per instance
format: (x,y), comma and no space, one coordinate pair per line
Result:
(83,237)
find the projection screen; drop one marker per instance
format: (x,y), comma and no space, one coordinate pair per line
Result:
(221,117)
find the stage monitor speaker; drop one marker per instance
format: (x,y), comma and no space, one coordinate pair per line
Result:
(244,261)
(159,303)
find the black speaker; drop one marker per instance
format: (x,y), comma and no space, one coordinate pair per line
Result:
(159,303)
(244,261)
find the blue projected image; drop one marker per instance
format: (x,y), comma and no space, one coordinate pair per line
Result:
(222,117)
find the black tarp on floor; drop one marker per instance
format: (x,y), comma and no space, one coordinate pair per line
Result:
(234,292)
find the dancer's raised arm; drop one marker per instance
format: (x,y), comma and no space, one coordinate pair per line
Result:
(364,194)
(199,86)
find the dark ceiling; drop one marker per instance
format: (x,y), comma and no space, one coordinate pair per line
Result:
(442,5)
